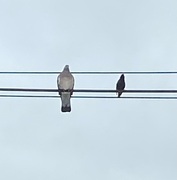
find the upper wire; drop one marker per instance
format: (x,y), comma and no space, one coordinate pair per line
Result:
(87,72)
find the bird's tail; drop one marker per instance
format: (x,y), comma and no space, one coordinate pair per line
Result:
(119,93)
(65,100)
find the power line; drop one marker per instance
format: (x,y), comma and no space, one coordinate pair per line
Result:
(88,72)
(87,90)
(85,97)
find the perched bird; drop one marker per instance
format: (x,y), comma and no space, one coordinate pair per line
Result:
(65,82)
(120,85)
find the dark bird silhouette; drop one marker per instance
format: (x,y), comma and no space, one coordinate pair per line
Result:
(120,85)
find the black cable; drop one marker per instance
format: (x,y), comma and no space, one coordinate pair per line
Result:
(87,90)
(85,97)
(89,72)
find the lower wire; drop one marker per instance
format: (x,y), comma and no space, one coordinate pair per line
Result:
(87,97)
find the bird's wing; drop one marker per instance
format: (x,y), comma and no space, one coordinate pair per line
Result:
(120,84)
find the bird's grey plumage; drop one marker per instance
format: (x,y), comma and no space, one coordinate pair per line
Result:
(120,85)
(65,83)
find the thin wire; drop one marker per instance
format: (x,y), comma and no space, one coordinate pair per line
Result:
(85,97)
(87,90)
(89,72)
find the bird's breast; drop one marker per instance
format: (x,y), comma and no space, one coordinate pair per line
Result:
(66,83)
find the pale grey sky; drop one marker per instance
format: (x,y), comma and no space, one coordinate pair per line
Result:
(101,139)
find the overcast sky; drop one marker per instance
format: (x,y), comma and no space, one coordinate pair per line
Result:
(101,139)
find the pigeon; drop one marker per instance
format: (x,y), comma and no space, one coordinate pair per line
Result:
(65,82)
(120,85)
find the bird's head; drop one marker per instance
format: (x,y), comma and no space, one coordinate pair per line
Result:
(122,76)
(66,68)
